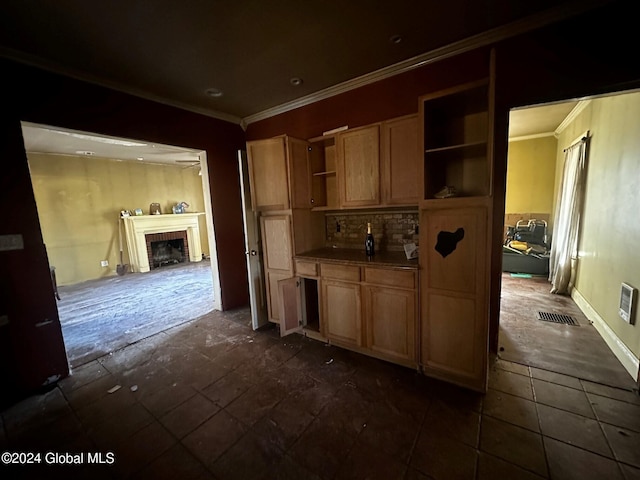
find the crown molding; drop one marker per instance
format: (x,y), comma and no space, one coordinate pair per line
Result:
(483,39)
(580,106)
(531,137)
(38,62)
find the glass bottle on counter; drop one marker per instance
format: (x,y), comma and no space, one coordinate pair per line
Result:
(369,247)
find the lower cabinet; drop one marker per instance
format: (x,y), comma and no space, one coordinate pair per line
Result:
(390,315)
(273,295)
(342,312)
(367,309)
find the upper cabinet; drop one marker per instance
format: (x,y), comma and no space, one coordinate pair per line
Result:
(359,166)
(400,161)
(457,131)
(371,166)
(279,173)
(322,165)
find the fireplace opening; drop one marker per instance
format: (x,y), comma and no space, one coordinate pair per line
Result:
(167,248)
(167,252)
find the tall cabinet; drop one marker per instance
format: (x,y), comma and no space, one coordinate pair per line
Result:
(456,129)
(279,172)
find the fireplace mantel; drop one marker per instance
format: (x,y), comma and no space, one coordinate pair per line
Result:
(136,227)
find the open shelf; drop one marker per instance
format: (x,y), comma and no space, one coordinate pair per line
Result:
(456,126)
(322,158)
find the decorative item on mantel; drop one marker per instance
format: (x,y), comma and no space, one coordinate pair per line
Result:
(154,209)
(180,207)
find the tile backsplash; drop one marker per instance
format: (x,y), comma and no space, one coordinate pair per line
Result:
(391,230)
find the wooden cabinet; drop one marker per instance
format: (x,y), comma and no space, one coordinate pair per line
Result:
(277,251)
(342,312)
(279,173)
(454,258)
(400,161)
(390,306)
(299,173)
(322,166)
(371,310)
(299,302)
(455,237)
(359,166)
(457,138)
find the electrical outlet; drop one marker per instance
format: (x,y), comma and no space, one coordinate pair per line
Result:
(104,263)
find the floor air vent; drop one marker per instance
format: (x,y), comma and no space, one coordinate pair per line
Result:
(557,318)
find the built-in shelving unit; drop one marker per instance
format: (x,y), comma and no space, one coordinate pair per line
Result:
(456,125)
(322,159)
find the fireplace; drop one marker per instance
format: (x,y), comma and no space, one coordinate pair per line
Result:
(167,248)
(144,230)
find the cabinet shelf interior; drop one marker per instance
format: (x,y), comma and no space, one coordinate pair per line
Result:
(455,141)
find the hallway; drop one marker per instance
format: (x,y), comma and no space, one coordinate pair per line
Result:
(578,351)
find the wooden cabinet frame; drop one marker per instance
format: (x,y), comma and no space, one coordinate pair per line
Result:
(400,161)
(359,166)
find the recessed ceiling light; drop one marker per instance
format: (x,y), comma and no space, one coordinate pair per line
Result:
(395,39)
(88,153)
(140,158)
(296,81)
(213,92)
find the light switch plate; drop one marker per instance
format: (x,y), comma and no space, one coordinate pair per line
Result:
(11,242)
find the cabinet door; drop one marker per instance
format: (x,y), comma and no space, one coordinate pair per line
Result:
(390,319)
(268,173)
(300,173)
(454,307)
(277,255)
(401,161)
(273,293)
(359,166)
(342,312)
(276,242)
(291,319)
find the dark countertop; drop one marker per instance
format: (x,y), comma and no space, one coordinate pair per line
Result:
(357,257)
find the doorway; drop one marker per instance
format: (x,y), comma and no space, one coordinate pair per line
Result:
(600,347)
(84,184)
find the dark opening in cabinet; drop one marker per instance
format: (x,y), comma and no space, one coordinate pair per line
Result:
(299,308)
(456,125)
(310,309)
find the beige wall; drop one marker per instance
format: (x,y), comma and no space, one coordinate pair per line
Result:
(610,237)
(531,167)
(79,200)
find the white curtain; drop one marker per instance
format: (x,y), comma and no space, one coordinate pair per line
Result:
(567,218)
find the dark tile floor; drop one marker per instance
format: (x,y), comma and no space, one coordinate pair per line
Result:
(211,399)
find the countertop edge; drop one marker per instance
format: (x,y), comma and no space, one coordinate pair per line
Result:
(327,257)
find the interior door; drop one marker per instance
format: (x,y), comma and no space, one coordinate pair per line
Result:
(252,248)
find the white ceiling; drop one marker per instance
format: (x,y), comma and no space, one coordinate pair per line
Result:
(538,120)
(53,140)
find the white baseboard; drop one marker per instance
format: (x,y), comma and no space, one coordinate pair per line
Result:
(630,362)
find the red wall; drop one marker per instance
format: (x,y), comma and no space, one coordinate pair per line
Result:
(33,354)
(389,98)
(591,54)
